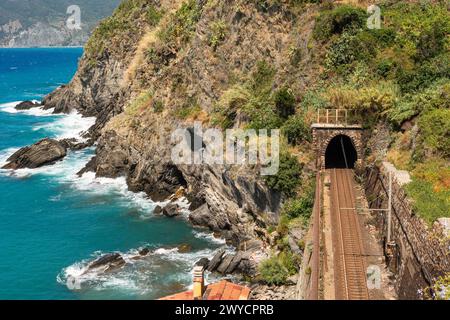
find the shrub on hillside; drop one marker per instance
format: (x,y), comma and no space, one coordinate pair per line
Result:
(441,288)
(118,24)
(437,96)
(432,41)
(262,78)
(429,204)
(182,23)
(285,103)
(288,177)
(153,15)
(425,74)
(301,207)
(338,20)
(349,48)
(273,272)
(261,114)
(435,129)
(218,33)
(296,130)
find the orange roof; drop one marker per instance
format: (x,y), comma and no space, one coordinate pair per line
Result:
(222,290)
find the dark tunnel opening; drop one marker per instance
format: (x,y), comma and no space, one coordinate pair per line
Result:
(340,153)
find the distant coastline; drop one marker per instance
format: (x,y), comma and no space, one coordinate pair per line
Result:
(45,47)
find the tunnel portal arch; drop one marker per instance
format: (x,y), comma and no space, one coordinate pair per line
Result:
(323,135)
(341,153)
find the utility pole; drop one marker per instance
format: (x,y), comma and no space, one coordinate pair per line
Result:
(389,210)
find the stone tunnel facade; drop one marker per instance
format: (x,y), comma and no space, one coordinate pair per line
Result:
(323,134)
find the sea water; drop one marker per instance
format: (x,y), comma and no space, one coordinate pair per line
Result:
(53,222)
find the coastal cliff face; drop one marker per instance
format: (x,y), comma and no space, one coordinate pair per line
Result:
(42,23)
(169,67)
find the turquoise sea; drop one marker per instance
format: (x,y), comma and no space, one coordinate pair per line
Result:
(52,222)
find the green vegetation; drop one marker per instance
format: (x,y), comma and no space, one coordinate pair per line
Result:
(300,207)
(396,74)
(343,18)
(190,108)
(295,55)
(435,129)
(139,104)
(153,15)
(122,22)
(285,103)
(158,106)
(296,130)
(441,288)
(288,177)
(296,213)
(218,33)
(182,24)
(253,98)
(273,271)
(429,203)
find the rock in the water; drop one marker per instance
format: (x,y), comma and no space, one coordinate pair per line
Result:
(44,152)
(184,248)
(26,105)
(203,262)
(144,251)
(215,262)
(171,210)
(109,261)
(158,210)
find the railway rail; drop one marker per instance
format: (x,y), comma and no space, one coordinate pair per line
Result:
(349,262)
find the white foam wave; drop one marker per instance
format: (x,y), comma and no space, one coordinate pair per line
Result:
(71,125)
(89,183)
(208,236)
(136,275)
(5,154)
(10,107)
(76,277)
(65,172)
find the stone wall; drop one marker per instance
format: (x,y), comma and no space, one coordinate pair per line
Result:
(417,253)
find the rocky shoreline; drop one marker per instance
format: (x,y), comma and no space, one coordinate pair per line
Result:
(251,247)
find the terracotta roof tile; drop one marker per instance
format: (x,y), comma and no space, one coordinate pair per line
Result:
(222,290)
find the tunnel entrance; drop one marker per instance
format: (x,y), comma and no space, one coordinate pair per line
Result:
(340,153)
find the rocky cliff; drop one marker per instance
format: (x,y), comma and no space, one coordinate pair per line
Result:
(168,69)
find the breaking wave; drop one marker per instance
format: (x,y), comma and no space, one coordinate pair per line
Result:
(162,270)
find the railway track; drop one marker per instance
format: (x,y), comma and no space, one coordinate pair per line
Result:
(349,261)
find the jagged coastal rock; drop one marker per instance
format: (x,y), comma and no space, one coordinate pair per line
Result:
(26,105)
(108,262)
(42,153)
